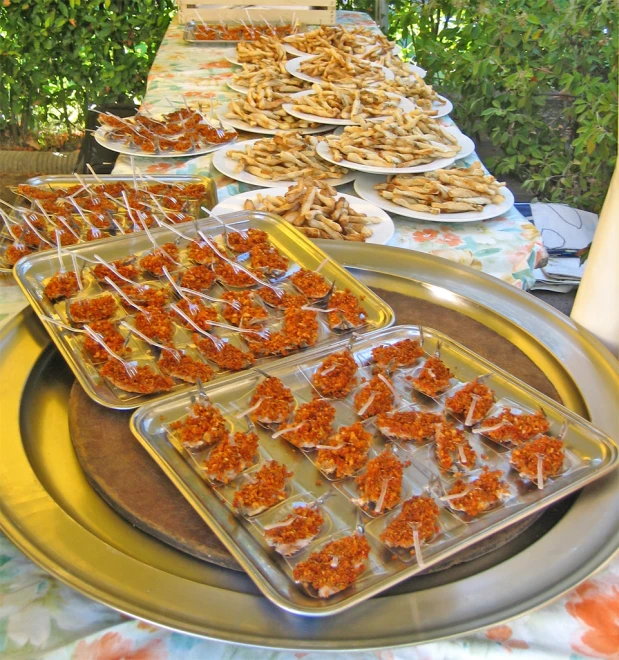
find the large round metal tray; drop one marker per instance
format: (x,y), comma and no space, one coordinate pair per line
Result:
(50,511)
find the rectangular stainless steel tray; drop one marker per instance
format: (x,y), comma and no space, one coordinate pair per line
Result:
(32,272)
(53,181)
(189,35)
(591,455)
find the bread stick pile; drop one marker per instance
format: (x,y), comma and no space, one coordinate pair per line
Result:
(406,139)
(286,156)
(333,102)
(331,65)
(354,41)
(315,209)
(264,49)
(273,73)
(262,106)
(455,190)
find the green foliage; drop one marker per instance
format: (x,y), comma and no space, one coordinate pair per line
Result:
(57,57)
(538,77)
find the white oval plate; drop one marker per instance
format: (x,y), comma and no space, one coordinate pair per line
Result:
(292,66)
(466,144)
(100,137)
(382,232)
(241,125)
(405,104)
(228,167)
(237,88)
(364,187)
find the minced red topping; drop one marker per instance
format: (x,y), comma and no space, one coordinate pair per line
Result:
(462,400)
(274,400)
(311,284)
(88,310)
(146,381)
(348,312)
(164,256)
(229,274)
(335,567)
(124,267)
(374,398)
(198,278)
(268,259)
(515,428)
(267,489)
(380,486)
(183,366)
(482,494)
(409,425)
(61,285)
(243,241)
(248,312)
(401,354)
(345,452)
(433,378)
(303,524)
(110,335)
(231,456)
(146,295)
(204,426)
(526,459)
(283,301)
(300,328)
(202,253)
(155,324)
(452,448)
(311,425)
(335,377)
(15,252)
(420,513)
(197,311)
(228,357)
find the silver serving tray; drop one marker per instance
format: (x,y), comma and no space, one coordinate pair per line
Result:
(53,181)
(590,455)
(189,35)
(31,273)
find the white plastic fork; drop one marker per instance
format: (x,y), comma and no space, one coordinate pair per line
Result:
(129,368)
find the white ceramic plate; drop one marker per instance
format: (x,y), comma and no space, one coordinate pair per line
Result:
(113,145)
(237,88)
(382,232)
(466,144)
(228,167)
(404,104)
(364,187)
(442,109)
(241,125)
(292,66)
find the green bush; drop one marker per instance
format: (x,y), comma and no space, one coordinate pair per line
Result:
(57,57)
(538,77)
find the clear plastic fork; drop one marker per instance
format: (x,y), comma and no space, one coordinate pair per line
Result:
(129,368)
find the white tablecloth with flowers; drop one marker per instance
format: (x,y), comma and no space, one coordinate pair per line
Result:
(41,617)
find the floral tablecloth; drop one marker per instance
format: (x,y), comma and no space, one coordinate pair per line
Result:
(40,617)
(508,247)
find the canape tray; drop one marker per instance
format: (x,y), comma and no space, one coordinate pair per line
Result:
(51,181)
(50,511)
(33,271)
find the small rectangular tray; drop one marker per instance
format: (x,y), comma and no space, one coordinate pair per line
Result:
(189,36)
(591,455)
(54,181)
(32,272)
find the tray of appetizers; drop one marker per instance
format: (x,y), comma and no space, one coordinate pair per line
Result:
(205,34)
(146,314)
(74,209)
(338,473)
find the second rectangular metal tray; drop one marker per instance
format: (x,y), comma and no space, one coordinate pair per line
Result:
(589,454)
